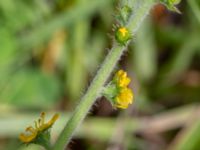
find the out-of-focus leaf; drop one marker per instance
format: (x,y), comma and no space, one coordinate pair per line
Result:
(70,16)
(144,56)
(8,51)
(180,61)
(75,67)
(94,51)
(195,8)
(30,88)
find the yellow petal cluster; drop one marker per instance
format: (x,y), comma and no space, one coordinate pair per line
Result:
(125,95)
(121,79)
(40,126)
(122,35)
(124,98)
(123,31)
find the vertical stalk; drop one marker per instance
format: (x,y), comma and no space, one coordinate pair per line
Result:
(142,8)
(89,98)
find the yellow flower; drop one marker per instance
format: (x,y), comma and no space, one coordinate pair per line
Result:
(123,31)
(122,35)
(40,126)
(27,138)
(124,98)
(117,91)
(121,79)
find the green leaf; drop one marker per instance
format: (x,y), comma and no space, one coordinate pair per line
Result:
(30,88)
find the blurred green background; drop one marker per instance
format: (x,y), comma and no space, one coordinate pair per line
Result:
(51,49)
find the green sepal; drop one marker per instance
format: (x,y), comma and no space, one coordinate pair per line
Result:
(43,139)
(110,92)
(170,4)
(173,8)
(122,39)
(124,15)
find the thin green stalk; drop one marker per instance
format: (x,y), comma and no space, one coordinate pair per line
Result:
(89,98)
(142,7)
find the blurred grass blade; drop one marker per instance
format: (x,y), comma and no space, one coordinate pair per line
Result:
(68,17)
(181,60)
(189,138)
(75,68)
(195,8)
(144,56)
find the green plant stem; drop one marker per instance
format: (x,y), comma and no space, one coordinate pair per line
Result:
(102,75)
(141,8)
(89,98)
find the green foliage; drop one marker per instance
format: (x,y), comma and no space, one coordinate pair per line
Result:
(40,70)
(171,4)
(30,88)
(190,139)
(26,28)
(124,14)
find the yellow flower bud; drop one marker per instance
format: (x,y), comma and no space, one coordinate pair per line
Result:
(117,91)
(121,79)
(122,35)
(124,98)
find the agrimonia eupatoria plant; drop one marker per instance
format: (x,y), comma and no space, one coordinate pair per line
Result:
(130,16)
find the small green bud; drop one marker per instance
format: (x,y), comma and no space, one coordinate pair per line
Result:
(110,92)
(124,14)
(170,4)
(174,2)
(122,35)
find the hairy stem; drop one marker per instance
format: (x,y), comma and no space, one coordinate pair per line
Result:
(142,8)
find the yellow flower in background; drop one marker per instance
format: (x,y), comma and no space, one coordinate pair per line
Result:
(121,79)
(30,136)
(40,126)
(124,98)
